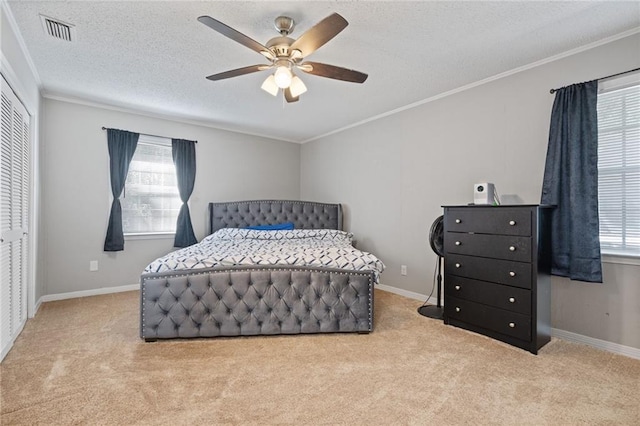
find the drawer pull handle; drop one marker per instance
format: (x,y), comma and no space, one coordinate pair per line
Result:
(458,265)
(512,324)
(457,287)
(512,248)
(512,299)
(458,243)
(512,274)
(512,222)
(458,221)
(457,309)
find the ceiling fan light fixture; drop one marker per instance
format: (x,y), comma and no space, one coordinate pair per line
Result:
(267,54)
(297,87)
(270,86)
(283,77)
(285,53)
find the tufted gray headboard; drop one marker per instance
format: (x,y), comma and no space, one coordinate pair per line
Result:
(303,214)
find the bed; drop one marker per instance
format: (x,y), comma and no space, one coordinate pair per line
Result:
(243,282)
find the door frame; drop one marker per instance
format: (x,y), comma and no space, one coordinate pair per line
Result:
(34,175)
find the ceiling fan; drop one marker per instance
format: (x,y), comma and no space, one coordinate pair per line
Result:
(287,55)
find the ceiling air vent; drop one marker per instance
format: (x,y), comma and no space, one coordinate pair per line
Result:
(58,29)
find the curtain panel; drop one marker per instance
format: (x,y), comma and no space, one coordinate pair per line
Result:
(122,145)
(184,158)
(571,183)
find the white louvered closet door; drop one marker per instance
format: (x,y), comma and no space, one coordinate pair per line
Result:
(14,217)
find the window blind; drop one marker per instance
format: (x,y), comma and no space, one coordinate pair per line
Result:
(619,170)
(151,202)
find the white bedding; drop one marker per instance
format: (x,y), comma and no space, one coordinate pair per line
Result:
(303,247)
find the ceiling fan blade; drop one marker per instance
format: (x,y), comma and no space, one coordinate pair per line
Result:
(288,97)
(319,34)
(236,36)
(332,71)
(238,72)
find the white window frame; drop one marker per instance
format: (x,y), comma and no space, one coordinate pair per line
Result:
(154,140)
(607,85)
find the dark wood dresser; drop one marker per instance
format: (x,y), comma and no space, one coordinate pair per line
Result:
(497,265)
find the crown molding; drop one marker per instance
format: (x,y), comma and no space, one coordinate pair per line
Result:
(23,46)
(482,82)
(97,103)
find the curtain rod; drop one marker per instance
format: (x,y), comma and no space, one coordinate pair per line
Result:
(552,91)
(146,134)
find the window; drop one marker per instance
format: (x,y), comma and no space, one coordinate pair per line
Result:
(150,200)
(619,165)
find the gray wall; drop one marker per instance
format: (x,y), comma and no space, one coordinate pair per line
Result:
(76,191)
(393,174)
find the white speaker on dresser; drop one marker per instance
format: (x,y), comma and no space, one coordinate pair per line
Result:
(484,193)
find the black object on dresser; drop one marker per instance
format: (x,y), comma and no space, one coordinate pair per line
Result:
(497,272)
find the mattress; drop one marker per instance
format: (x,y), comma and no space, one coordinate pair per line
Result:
(326,248)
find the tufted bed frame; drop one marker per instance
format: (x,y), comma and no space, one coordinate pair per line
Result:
(258,300)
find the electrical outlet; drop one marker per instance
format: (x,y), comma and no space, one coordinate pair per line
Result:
(403,269)
(93,266)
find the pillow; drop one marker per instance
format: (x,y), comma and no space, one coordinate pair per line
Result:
(287,226)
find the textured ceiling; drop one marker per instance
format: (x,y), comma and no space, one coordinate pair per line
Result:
(153,56)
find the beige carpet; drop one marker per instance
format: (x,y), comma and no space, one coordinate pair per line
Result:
(81,362)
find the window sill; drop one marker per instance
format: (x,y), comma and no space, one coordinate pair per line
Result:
(150,236)
(623,259)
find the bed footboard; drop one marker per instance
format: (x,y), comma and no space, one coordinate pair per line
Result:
(260,300)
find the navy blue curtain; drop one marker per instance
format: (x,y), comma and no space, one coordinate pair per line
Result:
(184,158)
(122,145)
(571,183)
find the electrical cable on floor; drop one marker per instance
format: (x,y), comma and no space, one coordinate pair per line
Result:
(435,272)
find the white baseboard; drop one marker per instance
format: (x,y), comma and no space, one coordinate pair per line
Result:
(5,350)
(560,334)
(604,345)
(85,293)
(37,307)
(409,294)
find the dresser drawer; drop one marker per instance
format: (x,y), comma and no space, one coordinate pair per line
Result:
(495,319)
(517,274)
(508,247)
(489,220)
(497,295)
